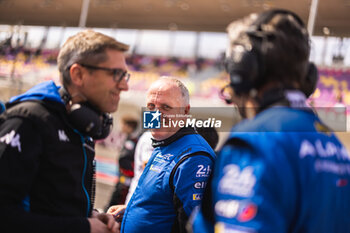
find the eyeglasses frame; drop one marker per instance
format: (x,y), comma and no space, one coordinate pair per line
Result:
(124,74)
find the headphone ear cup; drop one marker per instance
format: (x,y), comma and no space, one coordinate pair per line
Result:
(310,82)
(85,120)
(106,128)
(90,122)
(244,69)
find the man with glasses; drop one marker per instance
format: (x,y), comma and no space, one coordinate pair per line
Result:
(47,140)
(118,74)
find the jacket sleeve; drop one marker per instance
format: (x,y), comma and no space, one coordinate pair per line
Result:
(20,154)
(190,180)
(253,192)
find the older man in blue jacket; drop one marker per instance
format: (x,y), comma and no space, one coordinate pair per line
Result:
(174,179)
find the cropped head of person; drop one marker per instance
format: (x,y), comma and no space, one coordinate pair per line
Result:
(268,51)
(129,124)
(93,69)
(171,98)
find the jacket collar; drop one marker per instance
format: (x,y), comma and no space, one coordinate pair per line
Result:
(179,134)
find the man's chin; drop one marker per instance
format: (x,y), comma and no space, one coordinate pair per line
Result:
(159,134)
(112,109)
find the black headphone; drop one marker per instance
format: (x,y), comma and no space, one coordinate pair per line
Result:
(246,64)
(87,119)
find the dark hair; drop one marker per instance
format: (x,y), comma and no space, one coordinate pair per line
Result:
(287,57)
(210,135)
(131,122)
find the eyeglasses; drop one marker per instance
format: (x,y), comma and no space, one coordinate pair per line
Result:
(226,94)
(118,74)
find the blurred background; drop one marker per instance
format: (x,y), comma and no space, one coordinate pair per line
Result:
(184,39)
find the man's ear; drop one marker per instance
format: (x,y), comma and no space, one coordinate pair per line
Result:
(76,74)
(187,109)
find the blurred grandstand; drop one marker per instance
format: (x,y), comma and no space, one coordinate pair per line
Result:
(190,47)
(21,68)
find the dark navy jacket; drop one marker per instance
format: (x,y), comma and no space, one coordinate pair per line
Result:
(283,171)
(171,185)
(44,161)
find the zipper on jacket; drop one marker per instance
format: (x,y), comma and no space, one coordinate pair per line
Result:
(84,172)
(144,173)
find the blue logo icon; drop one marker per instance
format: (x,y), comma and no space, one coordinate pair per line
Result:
(151,119)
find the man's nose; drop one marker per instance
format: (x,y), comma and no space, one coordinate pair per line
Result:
(123,85)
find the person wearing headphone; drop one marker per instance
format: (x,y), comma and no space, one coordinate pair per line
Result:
(283,169)
(47,140)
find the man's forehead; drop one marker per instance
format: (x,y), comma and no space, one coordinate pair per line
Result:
(164,94)
(161,95)
(164,87)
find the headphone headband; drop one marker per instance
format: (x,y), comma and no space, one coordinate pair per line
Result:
(267,16)
(65,96)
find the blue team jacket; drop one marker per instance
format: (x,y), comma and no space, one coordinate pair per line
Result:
(161,204)
(283,171)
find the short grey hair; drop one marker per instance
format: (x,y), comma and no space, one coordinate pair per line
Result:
(184,91)
(88,47)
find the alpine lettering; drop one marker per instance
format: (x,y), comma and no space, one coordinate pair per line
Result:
(322,150)
(12,139)
(62,136)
